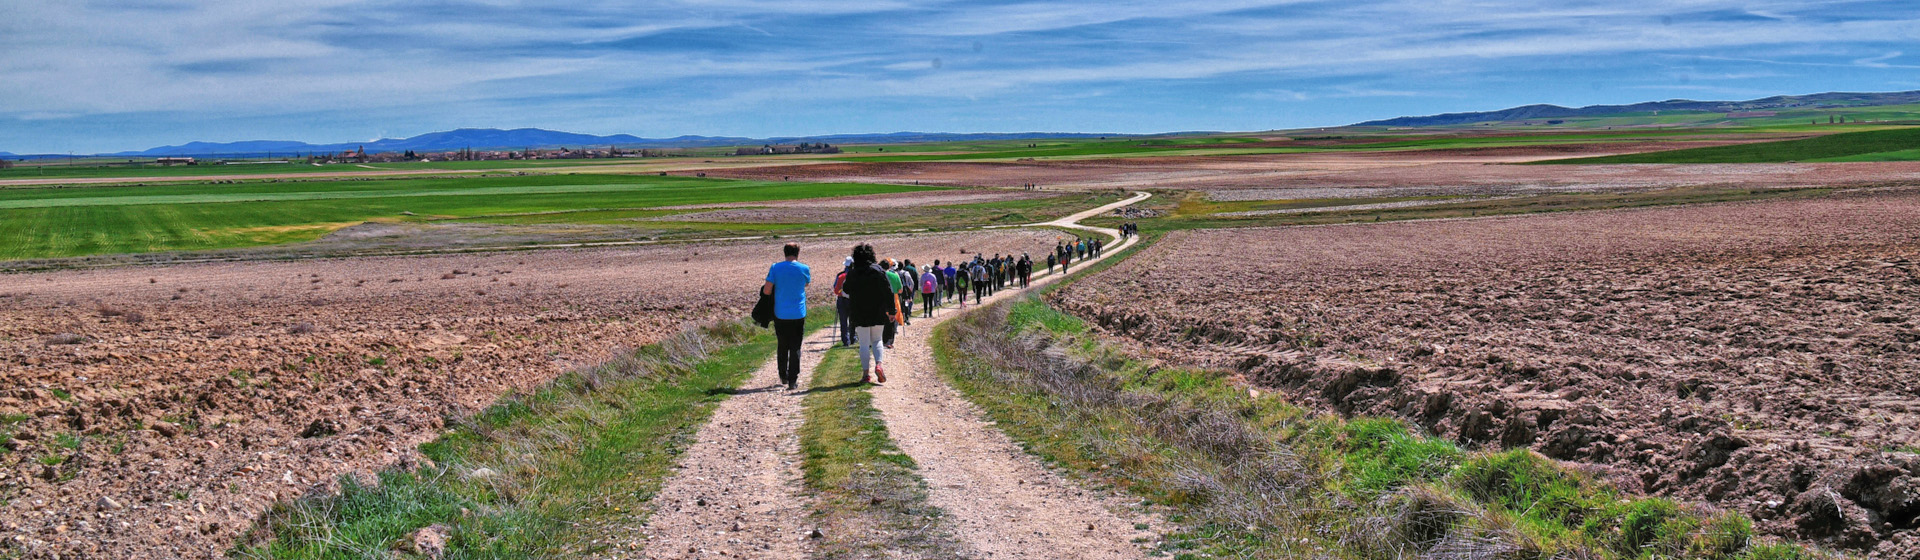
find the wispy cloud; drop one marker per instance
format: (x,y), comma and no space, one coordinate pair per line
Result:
(152,71)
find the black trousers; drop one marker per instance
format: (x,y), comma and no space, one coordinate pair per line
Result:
(788,332)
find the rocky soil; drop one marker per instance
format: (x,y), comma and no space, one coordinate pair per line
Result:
(1350,175)
(1764,357)
(157,411)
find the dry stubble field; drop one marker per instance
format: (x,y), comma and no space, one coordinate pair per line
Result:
(1764,356)
(159,410)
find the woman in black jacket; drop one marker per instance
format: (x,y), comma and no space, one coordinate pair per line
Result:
(873,306)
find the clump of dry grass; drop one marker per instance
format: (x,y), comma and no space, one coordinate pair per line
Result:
(64,339)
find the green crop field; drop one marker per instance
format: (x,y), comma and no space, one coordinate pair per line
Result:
(63,222)
(1894,144)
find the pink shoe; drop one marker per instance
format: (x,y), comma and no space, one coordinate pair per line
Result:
(880,371)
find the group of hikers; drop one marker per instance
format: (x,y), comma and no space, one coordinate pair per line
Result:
(875,297)
(1065,253)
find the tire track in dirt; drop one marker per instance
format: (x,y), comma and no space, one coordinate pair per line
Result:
(738,489)
(1000,501)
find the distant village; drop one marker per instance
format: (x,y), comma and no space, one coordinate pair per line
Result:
(360,155)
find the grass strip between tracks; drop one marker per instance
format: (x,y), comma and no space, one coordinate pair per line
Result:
(870,501)
(525,477)
(1247,475)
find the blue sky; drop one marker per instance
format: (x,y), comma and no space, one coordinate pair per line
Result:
(104,76)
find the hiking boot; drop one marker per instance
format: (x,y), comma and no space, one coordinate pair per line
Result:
(866,377)
(881,372)
(793,385)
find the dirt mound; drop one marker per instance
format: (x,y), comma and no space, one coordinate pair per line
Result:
(157,411)
(1759,356)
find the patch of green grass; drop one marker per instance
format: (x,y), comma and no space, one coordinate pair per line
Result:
(67,441)
(1252,476)
(585,451)
(870,499)
(1381,455)
(61,394)
(1897,155)
(1834,146)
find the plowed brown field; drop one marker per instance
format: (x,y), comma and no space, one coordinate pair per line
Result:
(1760,356)
(1354,175)
(156,411)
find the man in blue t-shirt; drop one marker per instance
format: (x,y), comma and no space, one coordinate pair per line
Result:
(787,282)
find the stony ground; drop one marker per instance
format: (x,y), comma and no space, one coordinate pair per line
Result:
(1759,356)
(159,410)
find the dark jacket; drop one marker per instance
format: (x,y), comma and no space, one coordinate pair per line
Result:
(871,295)
(763,311)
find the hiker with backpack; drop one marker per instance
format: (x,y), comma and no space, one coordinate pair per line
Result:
(930,289)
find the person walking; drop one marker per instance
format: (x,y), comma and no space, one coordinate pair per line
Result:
(947,280)
(960,283)
(787,282)
(1026,271)
(872,303)
(909,290)
(929,290)
(842,308)
(893,285)
(993,275)
(1052,258)
(979,282)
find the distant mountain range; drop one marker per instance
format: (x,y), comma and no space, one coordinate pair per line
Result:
(1534,112)
(520,138)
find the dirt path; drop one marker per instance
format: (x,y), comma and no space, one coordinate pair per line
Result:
(1000,501)
(738,491)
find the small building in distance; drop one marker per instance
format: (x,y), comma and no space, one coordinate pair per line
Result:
(801,148)
(175,161)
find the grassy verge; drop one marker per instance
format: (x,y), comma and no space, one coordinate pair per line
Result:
(871,503)
(1247,475)
(529,476)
